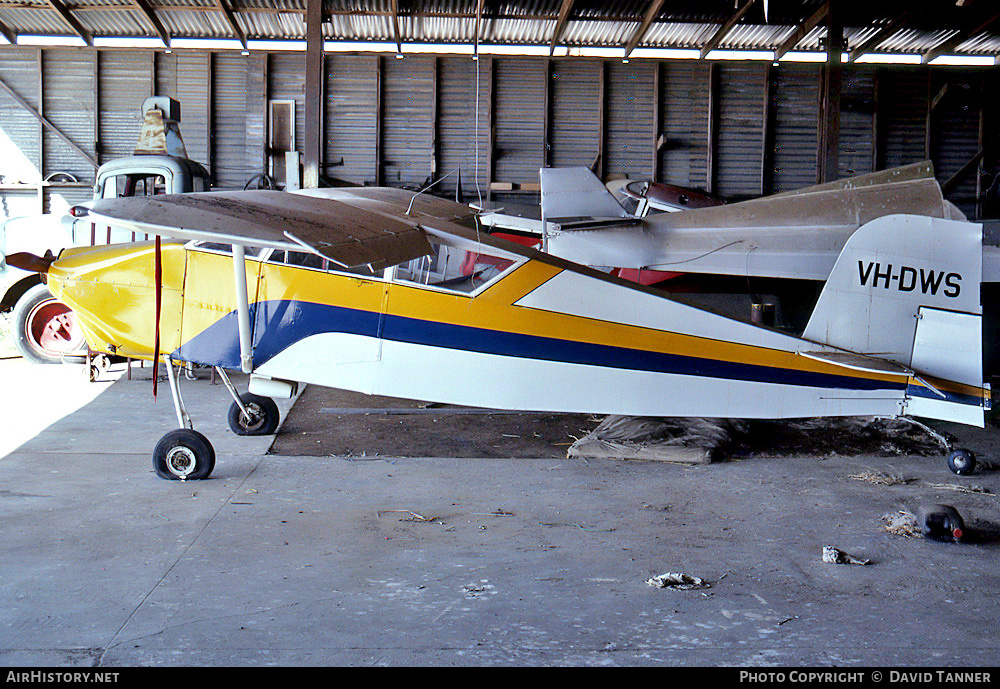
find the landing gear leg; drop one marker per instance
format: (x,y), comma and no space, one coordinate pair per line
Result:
(184,453)
(250,414)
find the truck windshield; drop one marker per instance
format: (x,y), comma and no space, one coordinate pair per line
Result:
(133,185)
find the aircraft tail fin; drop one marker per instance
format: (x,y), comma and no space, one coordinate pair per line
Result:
(906,289)
(576,192)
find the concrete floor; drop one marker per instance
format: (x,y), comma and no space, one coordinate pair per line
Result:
(323,560)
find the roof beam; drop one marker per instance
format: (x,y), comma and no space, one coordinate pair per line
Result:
(961,37)
(147,11)
(72,21)
(231,20)
(885,32)
(557,33)
(804,28)
(395,27)
(651,13)
(7,33)
(717,37)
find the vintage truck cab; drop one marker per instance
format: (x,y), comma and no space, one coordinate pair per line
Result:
(44,329)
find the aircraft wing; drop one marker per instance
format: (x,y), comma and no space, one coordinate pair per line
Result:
(348,234)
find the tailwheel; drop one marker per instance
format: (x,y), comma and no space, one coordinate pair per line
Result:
(257,415)
(962,462)
(183,454)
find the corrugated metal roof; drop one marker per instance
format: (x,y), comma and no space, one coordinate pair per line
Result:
(603,23)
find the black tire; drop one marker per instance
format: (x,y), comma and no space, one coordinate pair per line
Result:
(264,416)
(962,462)
(33,311)
(183,454)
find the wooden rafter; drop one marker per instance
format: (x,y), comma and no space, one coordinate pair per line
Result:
(395,27)
(72,21)
(7,33)
(961,37)
(230,16)
(801,32)
(147,11)
(885,32)
(652,12)
(557,33)
(717,37)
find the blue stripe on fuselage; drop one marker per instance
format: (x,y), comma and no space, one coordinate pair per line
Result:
(284,322)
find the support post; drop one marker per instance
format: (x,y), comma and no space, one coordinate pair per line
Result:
(657,118)
(767,135)
(314,91)
(829,138)
(713,128)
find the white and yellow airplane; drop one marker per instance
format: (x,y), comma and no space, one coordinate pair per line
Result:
(386,292)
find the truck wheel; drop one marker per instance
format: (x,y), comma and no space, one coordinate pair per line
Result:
(45,329)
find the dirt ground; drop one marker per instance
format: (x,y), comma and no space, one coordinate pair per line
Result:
(336,423)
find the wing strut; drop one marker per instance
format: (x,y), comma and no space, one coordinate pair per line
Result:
(242,307)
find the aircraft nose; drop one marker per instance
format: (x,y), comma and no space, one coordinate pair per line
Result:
(30,262)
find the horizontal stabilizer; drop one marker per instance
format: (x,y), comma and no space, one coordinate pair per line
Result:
(859,362)
(581,224)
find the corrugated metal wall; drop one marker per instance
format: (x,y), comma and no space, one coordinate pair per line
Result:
(796,108)
(408,102)
(741,129)
(285,82)
(194,93)
(520,119)
(956,136)
(351,116)
(684,106)
(530,108)
(20,133)
(857,110)
(630,136)
(233,164)
(124,83)
(457,127)
(903,108)
(70,108)
(575,139)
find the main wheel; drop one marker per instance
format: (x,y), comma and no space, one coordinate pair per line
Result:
(183,454)
(264,416)
(45,329)
(962,462)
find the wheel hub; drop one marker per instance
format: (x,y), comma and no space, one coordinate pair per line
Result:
(253,418)
(181,461)
(53,329)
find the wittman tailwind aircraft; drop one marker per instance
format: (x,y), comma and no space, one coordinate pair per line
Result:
(792,235)
(386,292)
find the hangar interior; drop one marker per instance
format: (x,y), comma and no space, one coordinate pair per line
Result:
(624,88)
(344,555)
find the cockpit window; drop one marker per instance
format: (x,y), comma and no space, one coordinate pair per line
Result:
(455,268)
(316,262)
